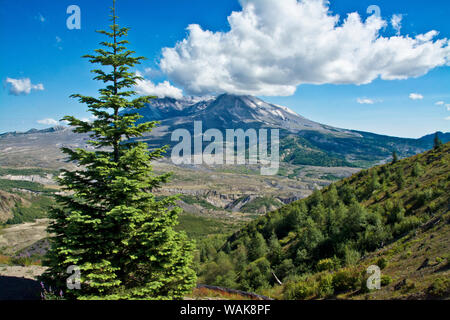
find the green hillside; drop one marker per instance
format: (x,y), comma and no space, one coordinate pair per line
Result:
(363,150)
(319,246)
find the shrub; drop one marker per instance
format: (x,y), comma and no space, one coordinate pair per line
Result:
(351,257)
(299,290)
(385,280)
(406,285)
(440,287)
(325,287)
(408,224)
(382,263)
(346,279)
(326,264)
(423,197)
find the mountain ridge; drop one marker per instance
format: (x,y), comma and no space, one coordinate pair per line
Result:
(303,141)
(395,216)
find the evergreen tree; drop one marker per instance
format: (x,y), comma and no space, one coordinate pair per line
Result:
(394,157)
(257,247)
(108,222)
(437,141)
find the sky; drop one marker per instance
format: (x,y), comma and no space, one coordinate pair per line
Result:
(381,66)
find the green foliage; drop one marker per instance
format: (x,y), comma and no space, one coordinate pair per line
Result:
(440,287)
(437,143)
(399,178)
(39,208)
(109,223)
(346,279)
(299,151)
(394,157)
(12,185)
(260,202)
(325,287)
(417,170)
(326,265)
(406,225)
(382,263)
(198,227)
(197,200)
(339,224)
(257,247)
(299,290)
(351,256)
(385,280)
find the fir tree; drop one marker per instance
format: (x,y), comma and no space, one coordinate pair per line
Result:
(108,222)
(437,141)
(394,157)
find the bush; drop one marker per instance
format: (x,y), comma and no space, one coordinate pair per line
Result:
(326,265)
(423,197)
(351,257)
(440,287)
(325,287)
(346,279)
(382,263)
(385,280)
(408,224)
(299,290)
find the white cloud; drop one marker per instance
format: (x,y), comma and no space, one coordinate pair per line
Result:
(415,96)
(22,86)
(365,101)
(447,118)
(161,90)
(440,103)
(48,121)
(273,46)
(396,22)
(40,17)
(448,107)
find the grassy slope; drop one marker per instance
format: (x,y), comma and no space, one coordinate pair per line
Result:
(420,185)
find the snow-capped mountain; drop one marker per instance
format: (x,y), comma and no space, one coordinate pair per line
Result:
(229,111)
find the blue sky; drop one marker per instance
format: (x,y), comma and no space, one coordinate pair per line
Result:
(38,46)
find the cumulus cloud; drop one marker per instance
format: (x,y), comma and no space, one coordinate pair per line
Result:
(274,46)
(161,90)
(415,96)
(48,121)
(22,86)
(365,101)
(396,22)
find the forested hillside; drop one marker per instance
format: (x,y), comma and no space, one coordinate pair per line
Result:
(333,229)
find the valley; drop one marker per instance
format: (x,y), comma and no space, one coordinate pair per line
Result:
(221,202)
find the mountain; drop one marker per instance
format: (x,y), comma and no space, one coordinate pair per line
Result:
(429,138)
(303,141)
(229,111)
(394,216)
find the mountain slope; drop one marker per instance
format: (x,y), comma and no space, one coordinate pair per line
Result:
(326,234)
(231,111)
(303,142)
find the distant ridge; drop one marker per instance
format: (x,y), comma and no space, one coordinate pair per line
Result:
(303,141)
